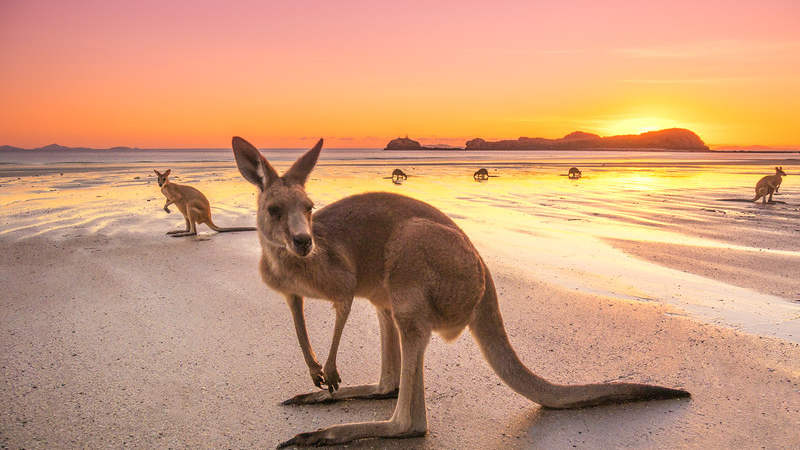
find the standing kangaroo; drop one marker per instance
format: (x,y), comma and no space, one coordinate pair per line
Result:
(192,204)
(769,185)
(420,272)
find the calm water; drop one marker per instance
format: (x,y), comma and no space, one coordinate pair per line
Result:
(44,159)
(529,212)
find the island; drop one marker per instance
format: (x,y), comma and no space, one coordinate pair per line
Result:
(675,139)
(669,139)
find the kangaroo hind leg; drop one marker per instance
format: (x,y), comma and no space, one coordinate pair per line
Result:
(193,218)
(409,418)
(188,227)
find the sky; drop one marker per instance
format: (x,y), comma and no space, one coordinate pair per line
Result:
(191,74)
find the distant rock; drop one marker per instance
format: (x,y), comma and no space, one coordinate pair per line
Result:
(121,148)
(9,148)
(670,139)
(403,144)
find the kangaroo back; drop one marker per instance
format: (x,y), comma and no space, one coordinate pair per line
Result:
(488,330)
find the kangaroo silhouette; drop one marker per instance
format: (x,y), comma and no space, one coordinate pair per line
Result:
(768,185)
(192,204)
(481,174)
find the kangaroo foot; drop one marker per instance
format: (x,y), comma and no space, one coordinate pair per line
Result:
(364,392)
(184,233)
(340,434)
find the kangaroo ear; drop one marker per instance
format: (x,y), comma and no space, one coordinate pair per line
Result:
(301,168)
(167,172)
(252,165)
(157,172)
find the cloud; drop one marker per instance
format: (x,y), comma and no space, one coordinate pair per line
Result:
(688,80)
(710,49)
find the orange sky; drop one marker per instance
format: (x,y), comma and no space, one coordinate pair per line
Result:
(157,74)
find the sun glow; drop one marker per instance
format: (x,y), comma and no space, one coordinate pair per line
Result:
(638,125)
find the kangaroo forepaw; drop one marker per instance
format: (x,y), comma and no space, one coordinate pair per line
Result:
(332,380)
(318,379)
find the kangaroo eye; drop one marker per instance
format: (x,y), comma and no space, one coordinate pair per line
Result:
(274,211)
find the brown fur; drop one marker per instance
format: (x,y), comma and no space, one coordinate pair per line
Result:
(421,273)
(768,185)
(192,204)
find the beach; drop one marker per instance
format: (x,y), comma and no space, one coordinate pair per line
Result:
(649,268)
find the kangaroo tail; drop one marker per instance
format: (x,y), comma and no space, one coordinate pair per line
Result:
(226,230)
(488,330)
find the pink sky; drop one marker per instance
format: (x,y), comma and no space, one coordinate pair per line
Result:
(282,74)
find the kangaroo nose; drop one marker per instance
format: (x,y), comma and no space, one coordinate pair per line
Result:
(302,241)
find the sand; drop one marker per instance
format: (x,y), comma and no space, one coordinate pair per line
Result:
(116,335)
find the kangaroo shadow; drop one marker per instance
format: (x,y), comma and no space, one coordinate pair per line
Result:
(609,426)
(748,200)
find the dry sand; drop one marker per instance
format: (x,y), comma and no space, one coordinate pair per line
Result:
(114,335)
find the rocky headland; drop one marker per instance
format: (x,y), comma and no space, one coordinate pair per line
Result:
(669,139)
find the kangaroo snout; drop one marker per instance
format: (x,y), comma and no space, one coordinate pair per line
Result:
(302,244)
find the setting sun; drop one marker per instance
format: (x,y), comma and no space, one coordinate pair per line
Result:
(638,125)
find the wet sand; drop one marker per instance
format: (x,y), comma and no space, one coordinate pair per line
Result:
(116,335)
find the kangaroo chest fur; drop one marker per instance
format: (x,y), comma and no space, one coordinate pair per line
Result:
(312,276)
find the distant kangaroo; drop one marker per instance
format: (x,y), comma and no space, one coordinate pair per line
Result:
(398,176)
(574,173)
(769,185)
(420,272)
(192,204)
(481,174)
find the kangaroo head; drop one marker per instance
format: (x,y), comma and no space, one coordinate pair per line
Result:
(162,177)
(779,171)
(284,209)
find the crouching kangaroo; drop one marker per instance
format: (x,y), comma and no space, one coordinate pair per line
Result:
(192,204)
(420,272)
(768,185)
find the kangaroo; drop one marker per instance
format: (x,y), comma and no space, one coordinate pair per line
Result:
(574,173)
(769,185)
(192,204)
(481,174)
(420,272)
(398,176)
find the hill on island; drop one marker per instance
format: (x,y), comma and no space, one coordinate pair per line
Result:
(404,143)
(669,139)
